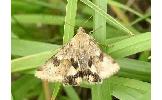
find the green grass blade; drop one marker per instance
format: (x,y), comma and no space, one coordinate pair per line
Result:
(140,19)
(17,5)
(100,22)
(30,62)
(38,19)
(71,93)
(100,91)
(144,56)
(131,45)
(71,9)
(129,89)
(23,86)
(115,3)
(56,89)
(108,18)
(135,69)
(46,19)
(24,47)
(58,6)
(116,39)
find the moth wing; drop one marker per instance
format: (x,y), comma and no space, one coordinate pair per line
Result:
(53,72)
(107,67)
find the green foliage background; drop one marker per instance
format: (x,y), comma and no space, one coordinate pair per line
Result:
(122,29)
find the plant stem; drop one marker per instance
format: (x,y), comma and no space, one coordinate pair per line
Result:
(46,90)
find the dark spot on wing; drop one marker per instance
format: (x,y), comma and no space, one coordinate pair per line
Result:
(90,62)
(72,60)
(96,77)
(79,74)
(70,80)
(56,62)
(101,57)
(74,63)
(83,73)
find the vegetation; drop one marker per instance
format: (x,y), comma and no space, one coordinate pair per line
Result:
(121,28)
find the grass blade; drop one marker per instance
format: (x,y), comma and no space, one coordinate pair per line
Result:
(108,18)
(131,45)
(71,93)
(56,89)
(129,89)
(24,47)
(100,22)
(30,62)
(135,69)
(38,19)
(100,91)
(114,3)
(71,9)
(46,19)
(23,86)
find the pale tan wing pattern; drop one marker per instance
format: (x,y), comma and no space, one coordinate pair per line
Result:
(107,67)
(52,72)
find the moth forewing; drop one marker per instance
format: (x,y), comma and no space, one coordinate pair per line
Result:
(79,60)
(107,67)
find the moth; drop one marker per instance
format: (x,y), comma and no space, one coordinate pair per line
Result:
(77,61)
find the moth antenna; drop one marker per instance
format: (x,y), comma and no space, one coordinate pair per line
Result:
(108,45)
(86,21)
(75,28)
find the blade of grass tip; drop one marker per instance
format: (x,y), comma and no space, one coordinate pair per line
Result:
(100,91)
(71,9)
(108,18)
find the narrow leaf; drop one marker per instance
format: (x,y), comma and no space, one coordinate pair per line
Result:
(24,47)
(71,93)
(108,18)
(131,45)
(71,8)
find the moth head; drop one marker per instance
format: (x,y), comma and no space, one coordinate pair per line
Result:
(80,30)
